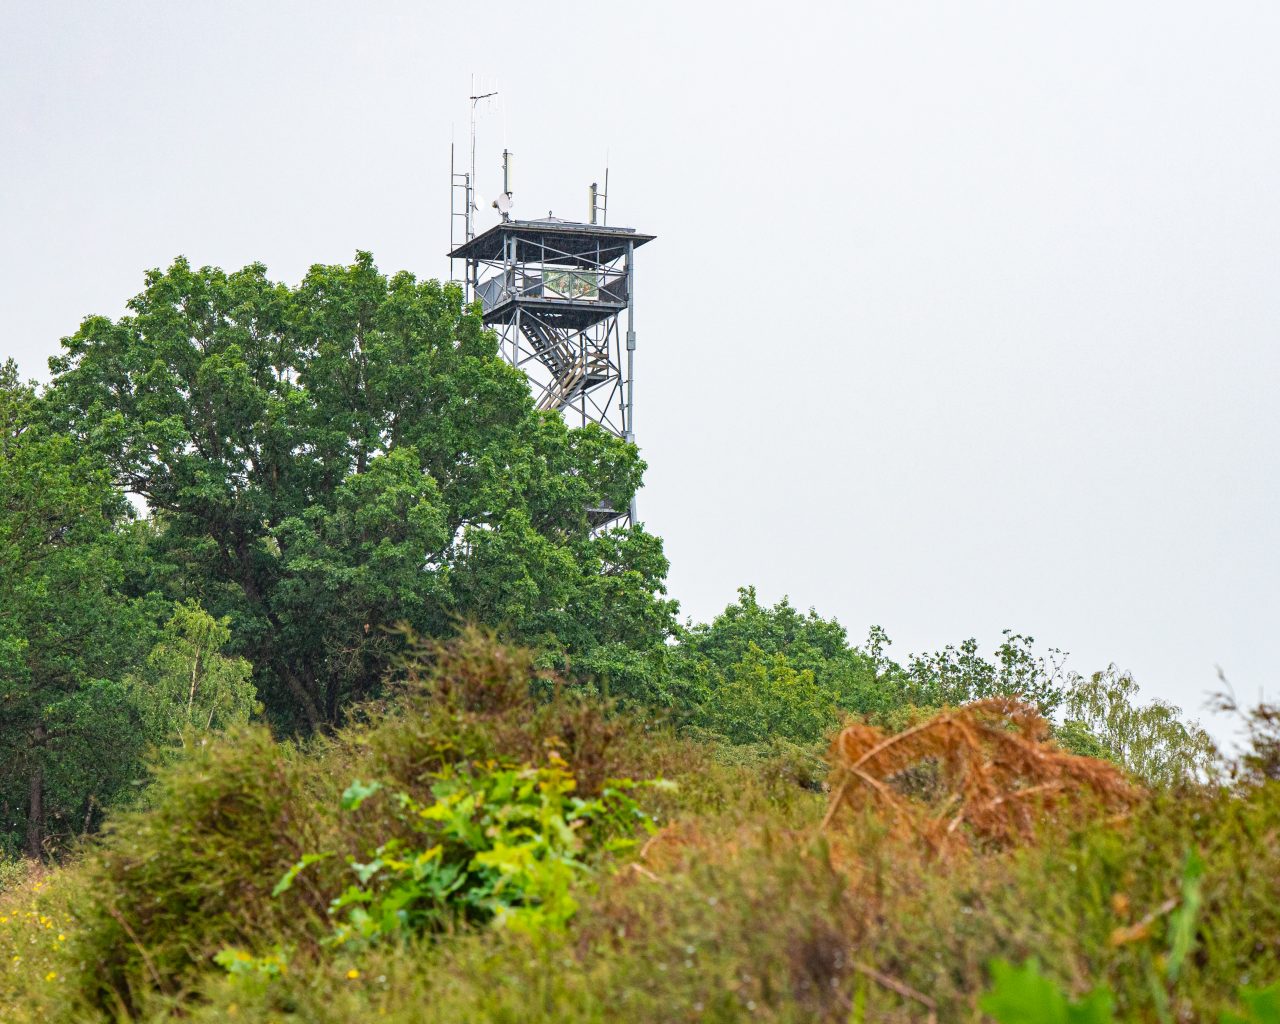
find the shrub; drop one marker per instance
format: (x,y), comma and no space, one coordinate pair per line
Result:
(13,872)
(193,873)
(763,697)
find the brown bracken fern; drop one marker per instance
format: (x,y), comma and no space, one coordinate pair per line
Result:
(998,774)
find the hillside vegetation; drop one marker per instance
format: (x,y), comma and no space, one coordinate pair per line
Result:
(472,849)
(320,700)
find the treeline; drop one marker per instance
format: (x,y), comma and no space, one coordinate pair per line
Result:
(235,502)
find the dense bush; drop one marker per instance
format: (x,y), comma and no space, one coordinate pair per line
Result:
(754,667)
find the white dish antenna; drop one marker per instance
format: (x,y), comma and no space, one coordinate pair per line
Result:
(503,203)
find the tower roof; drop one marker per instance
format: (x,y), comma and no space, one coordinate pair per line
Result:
(552,241)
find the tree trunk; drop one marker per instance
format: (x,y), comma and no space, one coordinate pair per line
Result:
(305,700)
(191,697)
(88,814)
(35,814)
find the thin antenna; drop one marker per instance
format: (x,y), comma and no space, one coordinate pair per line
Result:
(453,183)
(471,182)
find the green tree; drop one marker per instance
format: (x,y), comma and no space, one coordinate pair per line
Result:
(323,462)
(959,674)
(804,640)
(1076,737)
(187,684)
(763,696)
(1150,740)
(68,628)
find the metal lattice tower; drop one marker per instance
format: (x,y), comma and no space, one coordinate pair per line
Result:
(556,292)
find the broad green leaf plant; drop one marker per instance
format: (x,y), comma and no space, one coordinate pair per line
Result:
(498,843)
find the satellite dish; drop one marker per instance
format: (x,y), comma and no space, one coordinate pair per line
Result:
(503,203)
(477,199)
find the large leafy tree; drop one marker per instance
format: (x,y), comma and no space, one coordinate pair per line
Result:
(757,670)
(325,461)
(807,642)
(69,731)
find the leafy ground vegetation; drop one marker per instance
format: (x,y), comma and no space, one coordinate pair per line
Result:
(256,768)
(474,848)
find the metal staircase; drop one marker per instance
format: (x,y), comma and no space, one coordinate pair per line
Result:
(574,368)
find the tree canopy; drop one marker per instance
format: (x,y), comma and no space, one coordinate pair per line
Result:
(68,628)
(326,461)
(756,671)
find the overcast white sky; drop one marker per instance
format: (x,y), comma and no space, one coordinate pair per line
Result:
(961,316)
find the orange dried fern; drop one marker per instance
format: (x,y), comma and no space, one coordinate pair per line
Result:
(996,770)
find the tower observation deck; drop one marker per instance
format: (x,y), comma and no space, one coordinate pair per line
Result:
(556,293)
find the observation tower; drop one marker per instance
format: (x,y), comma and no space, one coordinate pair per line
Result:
(557,293)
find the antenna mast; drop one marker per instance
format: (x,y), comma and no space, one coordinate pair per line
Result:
(471,185)
(462,184)
(598,202)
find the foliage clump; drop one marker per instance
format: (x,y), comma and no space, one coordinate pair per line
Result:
(1149,740)
(197,865)
(501,844)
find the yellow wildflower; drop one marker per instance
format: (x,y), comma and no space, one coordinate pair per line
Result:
(353,974)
